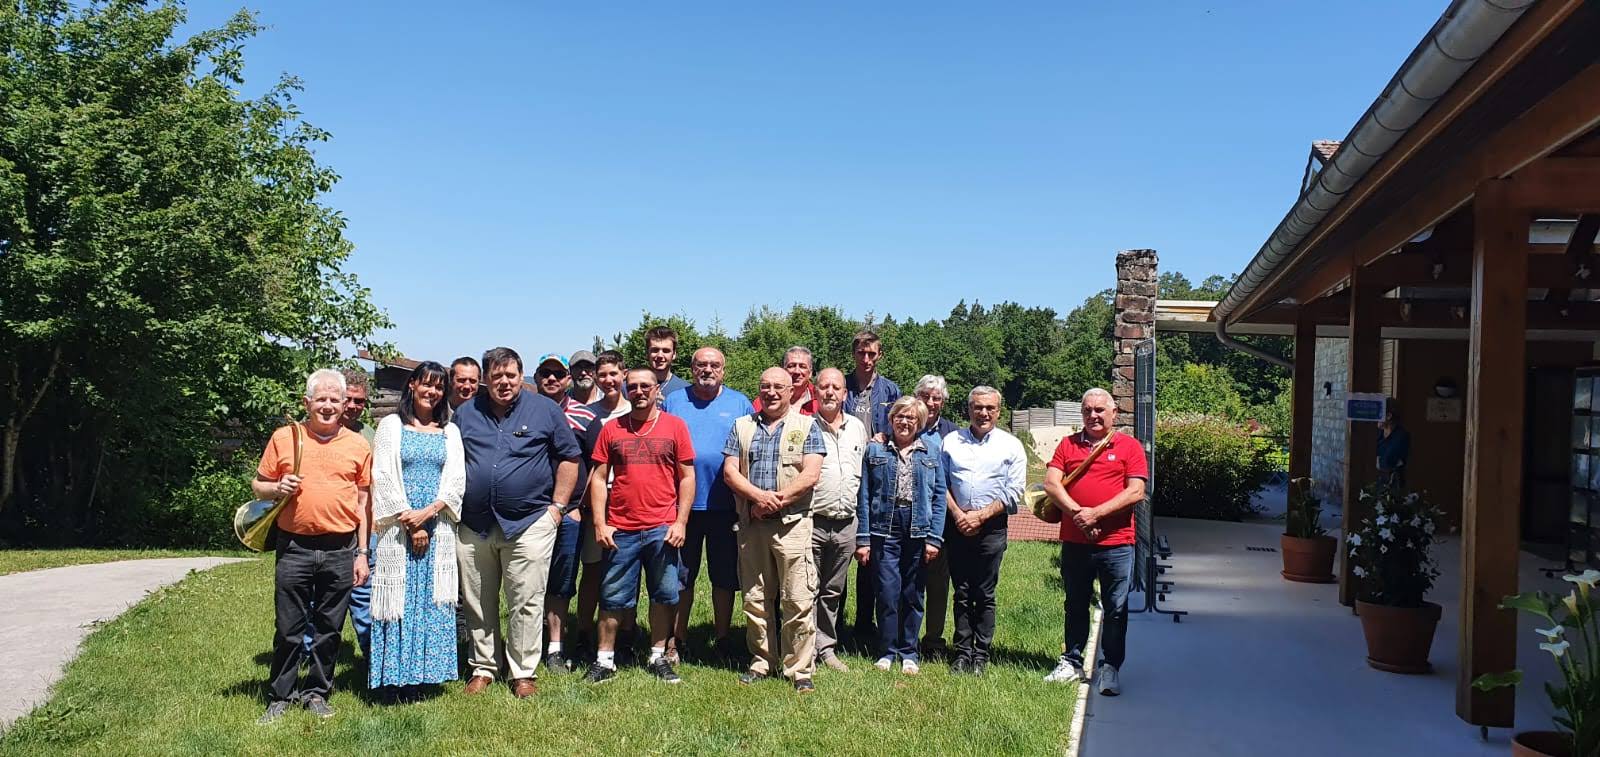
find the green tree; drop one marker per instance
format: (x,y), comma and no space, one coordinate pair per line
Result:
(166,265)
(1200,389)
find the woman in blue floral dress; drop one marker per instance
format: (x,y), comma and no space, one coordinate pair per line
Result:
(418,476)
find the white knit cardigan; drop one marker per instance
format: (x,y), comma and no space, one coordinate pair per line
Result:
(389,501)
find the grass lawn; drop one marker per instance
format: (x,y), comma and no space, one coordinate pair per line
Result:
(19,560)
(182,672)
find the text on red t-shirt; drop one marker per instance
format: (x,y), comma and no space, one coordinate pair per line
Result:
(644,461)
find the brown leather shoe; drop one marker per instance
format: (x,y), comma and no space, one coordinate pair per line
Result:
(524,688)
(477,684)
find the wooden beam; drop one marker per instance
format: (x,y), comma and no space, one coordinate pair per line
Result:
(1578,255)
(1303,398)
(1522,38)
(1561,185)
(1360,441)
(1492,480)
(1389,312)
(1418,270)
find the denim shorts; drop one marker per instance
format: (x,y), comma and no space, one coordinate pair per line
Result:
(564,559)
(637,551)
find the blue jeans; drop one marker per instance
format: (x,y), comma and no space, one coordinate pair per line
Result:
(360,604)
(637,551)
(564,559)
(902,575)
(1081,564)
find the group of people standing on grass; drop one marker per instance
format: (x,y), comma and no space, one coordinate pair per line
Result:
(480,489)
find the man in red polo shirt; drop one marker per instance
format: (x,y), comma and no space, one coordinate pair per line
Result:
(1097,536)
(797,362)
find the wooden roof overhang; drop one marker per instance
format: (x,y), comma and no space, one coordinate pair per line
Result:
(1528,110)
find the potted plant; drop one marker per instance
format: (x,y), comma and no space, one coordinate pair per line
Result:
(1393,564)
(1573,639)
(1306,546)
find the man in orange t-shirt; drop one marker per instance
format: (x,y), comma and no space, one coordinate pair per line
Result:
(1097,536)
(322,542)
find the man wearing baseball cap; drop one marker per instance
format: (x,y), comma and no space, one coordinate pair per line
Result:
(552,378)
(582,365)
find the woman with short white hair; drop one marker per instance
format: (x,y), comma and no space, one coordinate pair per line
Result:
(900,527)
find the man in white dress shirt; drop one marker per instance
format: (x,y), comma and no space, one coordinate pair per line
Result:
(987,472)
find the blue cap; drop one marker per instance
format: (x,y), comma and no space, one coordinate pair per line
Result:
(552,356)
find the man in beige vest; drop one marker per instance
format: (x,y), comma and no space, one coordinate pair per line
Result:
(771,461)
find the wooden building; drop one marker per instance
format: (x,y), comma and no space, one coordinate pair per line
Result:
(1424,241)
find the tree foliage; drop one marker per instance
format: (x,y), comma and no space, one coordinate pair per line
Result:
(1030,354)
(166,266)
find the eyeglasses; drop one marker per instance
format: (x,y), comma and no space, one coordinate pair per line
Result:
(548,372)
(356,400)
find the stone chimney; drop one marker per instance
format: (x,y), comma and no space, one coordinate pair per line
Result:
(1135,322)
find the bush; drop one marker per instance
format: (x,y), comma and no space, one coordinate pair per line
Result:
(199,514)
(1206,467)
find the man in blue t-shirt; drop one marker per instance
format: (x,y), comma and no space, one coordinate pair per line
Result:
(709,409)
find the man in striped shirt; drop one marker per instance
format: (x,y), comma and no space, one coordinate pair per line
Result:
(553,377)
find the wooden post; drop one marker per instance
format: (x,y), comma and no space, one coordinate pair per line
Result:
(1304,395)
(1492,486)
(1361,439)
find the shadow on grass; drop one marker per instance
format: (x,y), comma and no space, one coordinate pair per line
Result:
(349,674)
(1022,658)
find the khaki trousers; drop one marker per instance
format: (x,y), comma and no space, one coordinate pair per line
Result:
(522,565)
(776,558)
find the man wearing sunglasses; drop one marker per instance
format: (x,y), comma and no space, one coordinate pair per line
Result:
(553,377)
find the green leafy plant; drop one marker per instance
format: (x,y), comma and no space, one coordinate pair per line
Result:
(1304,518)
(1573,617)
(1206,467)
(1392,550)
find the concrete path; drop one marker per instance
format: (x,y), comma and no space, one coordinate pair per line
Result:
(1266,666)
(49,612)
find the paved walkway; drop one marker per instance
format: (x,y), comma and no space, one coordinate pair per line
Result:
(1266,666)
(49,612)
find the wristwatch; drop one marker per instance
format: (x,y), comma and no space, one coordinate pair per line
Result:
(364,552)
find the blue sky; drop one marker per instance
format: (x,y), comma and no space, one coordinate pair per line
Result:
(533,174)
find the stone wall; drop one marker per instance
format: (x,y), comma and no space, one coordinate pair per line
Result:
(1135,322)
(1328,425)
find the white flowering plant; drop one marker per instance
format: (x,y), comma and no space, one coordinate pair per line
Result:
(1391,551)
(1573,639)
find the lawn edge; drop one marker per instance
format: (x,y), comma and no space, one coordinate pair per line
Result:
(1080,710)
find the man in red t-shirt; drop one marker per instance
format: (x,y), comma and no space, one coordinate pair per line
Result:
(1097,536)
(641,519)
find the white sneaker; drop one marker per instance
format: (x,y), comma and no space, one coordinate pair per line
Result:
(884,663)
(909,667)
(1108,681)
(1065,672)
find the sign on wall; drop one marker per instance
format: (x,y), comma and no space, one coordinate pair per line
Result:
(1364,408)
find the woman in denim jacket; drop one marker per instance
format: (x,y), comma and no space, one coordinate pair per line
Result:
(900,526)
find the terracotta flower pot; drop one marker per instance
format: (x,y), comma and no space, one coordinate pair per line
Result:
(1308,560)
(1541,744)
(1399,638)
